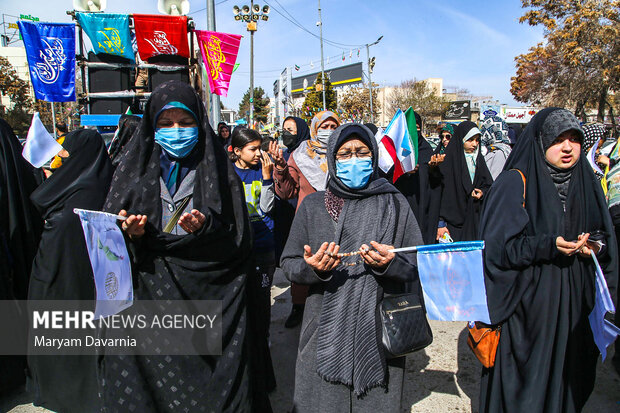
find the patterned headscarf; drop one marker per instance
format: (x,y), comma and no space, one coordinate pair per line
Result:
(310,155)
(591,135)
(494,130)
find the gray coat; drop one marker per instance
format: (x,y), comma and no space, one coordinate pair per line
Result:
(169,204)
(313,226)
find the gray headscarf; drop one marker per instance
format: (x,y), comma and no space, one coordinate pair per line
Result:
(556,124)
(349,347)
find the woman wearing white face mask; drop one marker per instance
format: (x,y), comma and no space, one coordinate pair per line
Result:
(303,174)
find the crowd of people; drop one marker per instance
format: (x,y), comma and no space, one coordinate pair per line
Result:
(213,215)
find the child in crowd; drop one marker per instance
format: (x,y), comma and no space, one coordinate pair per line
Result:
(255,169)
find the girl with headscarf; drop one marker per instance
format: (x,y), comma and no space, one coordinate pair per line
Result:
(62,270)
(206,259)
(341,365)
(495,144)
(127,125)
(538,231)
(304,173)
(20,232)
(465,180)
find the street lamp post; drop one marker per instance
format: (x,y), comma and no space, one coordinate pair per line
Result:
(250,16)
(320,24)
(369,77)
(215,99)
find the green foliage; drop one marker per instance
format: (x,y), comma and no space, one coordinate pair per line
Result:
(313,103)
(19,113)
(420,96)
(261,105)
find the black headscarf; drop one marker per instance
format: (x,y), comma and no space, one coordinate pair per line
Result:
(210,264)
(225,142)
(348,344)
(20,231)
(127,125)
(542,297)
(303,132)
(458,208)
(62,270)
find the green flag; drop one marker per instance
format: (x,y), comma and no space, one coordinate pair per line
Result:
(413,131)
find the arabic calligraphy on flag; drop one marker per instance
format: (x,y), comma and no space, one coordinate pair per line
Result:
(161,35)
(219,53)
(50,48)
(109,33)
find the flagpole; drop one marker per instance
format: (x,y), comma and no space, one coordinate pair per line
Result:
(405,249)
(53,119)
(215,99)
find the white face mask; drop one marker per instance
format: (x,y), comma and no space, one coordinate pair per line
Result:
(322,135)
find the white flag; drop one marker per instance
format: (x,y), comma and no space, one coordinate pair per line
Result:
(40,146)
(110,262)
(385,160)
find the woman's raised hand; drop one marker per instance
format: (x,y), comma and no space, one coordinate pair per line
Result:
(378,259)
(321,261)
(192,222)
(133,225)
(276,154)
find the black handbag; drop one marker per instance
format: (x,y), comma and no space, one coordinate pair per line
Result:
(404,324)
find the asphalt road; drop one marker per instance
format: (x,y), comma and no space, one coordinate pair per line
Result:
(444,377)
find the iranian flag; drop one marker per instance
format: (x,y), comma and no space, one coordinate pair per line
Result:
(400,141)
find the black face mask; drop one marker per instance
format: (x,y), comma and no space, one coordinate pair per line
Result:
(288,139)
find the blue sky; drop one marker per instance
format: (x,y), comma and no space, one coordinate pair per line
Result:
(470,44)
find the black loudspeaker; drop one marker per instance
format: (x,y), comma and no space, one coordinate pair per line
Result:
(108,80)
(157,77)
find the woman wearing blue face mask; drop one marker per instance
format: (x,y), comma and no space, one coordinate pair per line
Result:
(341,364)
(175,164)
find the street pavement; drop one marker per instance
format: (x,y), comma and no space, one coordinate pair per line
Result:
(444,377)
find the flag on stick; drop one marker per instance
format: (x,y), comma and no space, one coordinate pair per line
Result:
(50,48)
(452,277)
(40,146)
(219,53)
(110,262)
(604,332)
(398,143)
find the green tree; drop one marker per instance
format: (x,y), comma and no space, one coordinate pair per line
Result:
(356,102)
(18,114)
(578,64)
(313,103)
(261,105)
(420,96)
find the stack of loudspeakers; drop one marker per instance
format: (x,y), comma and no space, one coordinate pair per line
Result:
(157,77)
(109,80)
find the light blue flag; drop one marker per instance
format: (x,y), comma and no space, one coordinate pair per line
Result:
(50,48)
(604,332)
(109,33)
(452,277)
(110,262)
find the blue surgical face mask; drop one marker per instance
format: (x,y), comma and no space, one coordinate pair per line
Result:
(355,172)
(177,142)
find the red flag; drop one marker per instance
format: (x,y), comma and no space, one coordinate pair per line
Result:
(389,146)
(159,34)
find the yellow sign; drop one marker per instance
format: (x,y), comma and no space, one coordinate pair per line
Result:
(13,26)
(215,56)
